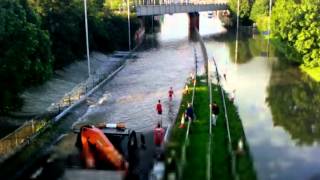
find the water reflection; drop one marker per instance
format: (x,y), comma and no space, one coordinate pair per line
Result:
(294,101)
(278,106)
(249,45)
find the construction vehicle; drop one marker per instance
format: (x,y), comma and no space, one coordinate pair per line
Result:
(106,146)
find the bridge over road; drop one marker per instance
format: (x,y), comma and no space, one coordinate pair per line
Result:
(149,10)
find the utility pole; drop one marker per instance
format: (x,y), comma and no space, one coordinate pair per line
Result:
(237,35)
(87,38)
(270,12)
(269,25)
(129,30)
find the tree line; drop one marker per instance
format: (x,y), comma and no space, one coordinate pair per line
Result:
(294,26)
(39,36)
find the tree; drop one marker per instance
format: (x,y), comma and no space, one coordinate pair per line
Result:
(113,4)
(259,14)
(259,8)
(305,34)
(37,36)
(25,55)
(244,13)
(65,23)
(295,27)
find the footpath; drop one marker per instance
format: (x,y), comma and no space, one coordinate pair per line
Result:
(201,150)
(65,87)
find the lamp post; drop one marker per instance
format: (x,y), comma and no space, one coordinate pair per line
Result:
(270,12)
(269,25)
(129,31)
(237,35)
(87,38)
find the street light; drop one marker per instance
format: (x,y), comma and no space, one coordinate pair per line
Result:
(237,35)
(269,25)
(129,31)
(87,38)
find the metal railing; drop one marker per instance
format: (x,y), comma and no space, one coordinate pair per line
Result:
(186,140)
(233,158)
(207,69)
(193,90)
(146,10)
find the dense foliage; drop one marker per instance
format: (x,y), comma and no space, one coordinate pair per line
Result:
(65,23)
(297,25)
(259,14)
(25,54)
(244,13)
(294,26)
(38,36)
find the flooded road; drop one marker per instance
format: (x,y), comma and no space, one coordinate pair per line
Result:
(164,61)
(278,105)
(132,95)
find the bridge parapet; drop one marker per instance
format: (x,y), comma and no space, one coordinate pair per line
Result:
(148,10)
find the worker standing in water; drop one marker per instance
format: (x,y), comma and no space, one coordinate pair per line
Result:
(159,110)
(170,93)
(158,134)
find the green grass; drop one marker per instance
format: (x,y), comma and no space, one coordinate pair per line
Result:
(244,162)
(221,167)
(196,159)
(198,137)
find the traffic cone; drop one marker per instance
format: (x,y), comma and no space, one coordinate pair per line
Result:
(182,121)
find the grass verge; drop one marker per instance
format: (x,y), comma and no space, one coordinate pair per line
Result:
(196,151)
(221,156)
(198,138)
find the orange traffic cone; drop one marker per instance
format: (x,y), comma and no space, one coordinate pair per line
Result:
(182,121)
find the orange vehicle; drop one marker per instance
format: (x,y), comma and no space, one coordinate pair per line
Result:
(96,148)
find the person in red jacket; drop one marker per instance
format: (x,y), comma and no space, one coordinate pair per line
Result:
(158,133)
(159,107)
(159,110)
(170,93)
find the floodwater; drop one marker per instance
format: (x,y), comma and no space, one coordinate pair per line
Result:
(278,105)
(131,96)
(70,82)
(165,60)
